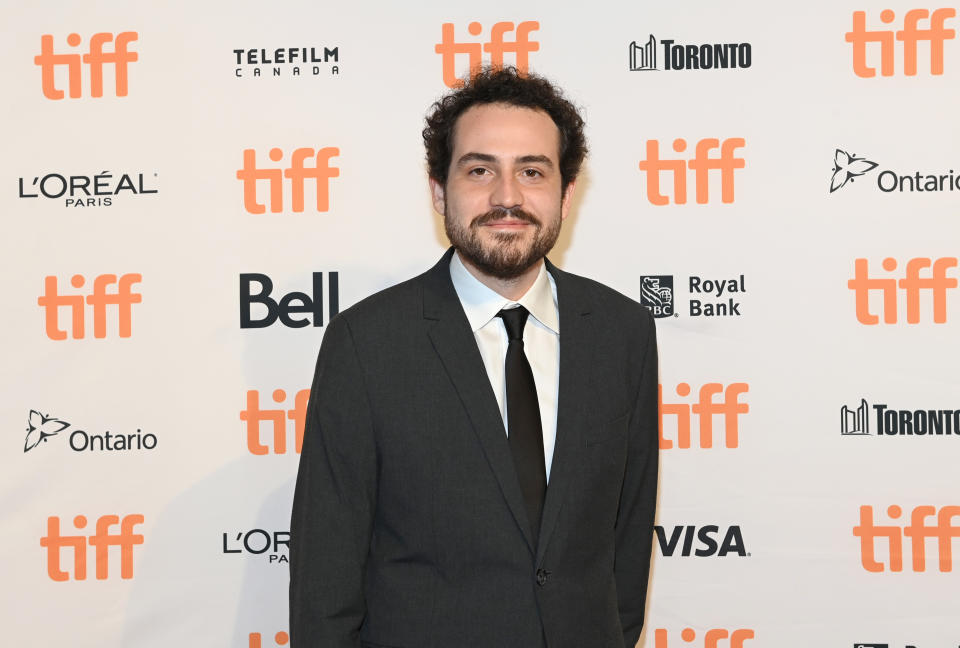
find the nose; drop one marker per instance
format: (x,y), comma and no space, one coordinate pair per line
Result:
(507,193)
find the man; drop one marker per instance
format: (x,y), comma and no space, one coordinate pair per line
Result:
(479,466)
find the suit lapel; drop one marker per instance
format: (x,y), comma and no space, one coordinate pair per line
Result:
(454,342)
(574,359)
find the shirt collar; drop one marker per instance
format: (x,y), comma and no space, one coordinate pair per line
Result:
(481,304)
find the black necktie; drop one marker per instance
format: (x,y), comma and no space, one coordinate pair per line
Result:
(523,418)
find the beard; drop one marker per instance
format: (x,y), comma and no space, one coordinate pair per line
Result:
(507,256)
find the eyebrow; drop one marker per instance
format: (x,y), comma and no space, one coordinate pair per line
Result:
(466,158)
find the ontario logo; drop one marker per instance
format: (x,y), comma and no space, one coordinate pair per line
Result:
(847,167)
(42,427)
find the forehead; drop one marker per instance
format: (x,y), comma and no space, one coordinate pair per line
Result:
(506,131)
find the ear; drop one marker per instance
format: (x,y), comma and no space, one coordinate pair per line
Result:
(438,195)
(567,200)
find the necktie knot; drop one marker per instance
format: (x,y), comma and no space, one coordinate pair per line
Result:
(514,320)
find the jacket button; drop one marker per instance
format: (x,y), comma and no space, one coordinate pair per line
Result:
(542,575)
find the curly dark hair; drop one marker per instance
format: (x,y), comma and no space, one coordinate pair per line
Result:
(508,86)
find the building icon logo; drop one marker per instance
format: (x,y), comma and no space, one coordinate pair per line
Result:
(855,422)
(656,293)
(643,57)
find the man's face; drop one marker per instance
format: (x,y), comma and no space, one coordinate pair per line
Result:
(502,204)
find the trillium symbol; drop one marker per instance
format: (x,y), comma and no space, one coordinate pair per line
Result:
(40,427)
(846,167)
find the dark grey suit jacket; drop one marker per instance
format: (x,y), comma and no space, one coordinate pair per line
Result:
(409,528)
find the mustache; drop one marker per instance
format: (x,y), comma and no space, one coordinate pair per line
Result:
(500,214)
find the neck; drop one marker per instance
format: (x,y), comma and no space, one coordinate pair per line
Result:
(512,289)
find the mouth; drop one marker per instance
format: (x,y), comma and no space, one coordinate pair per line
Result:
(506,221)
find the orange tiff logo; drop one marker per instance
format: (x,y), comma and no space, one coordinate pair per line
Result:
(520,46)
(123,298)
(729,407)
(918,531)
(279,639)
(935,33)
(254,416)
(911,284)
(101,541)
(297,173)
(701,164)
(120,57)
(715,638)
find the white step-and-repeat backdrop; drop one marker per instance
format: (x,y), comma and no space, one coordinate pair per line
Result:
(192,190)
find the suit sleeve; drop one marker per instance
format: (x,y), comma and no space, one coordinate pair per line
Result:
(334,501)
(638,499)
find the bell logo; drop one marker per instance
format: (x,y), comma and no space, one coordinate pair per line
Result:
(911,34)
(716,638)
(95,58)
(706,408)
(52,301)
(943,530)
(254,416)
(102,540)
(701,165)
(937,283)
(295,302)
(297,173)
(279,639)
(520,46)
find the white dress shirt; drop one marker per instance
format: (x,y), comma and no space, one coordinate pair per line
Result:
(541,341)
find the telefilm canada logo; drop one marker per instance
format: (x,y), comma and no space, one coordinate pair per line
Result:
(890,421)
(41,428)
(669,54)
(91,190)
(705,296)
(286,62)
(848,167)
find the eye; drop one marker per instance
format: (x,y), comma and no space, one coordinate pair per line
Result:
(478,171)
(532,173)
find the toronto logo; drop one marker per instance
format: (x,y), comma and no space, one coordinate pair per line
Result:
(40,427)
(846,167)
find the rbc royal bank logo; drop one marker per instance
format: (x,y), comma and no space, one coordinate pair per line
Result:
(448,48)
(95,59)
(656,293)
